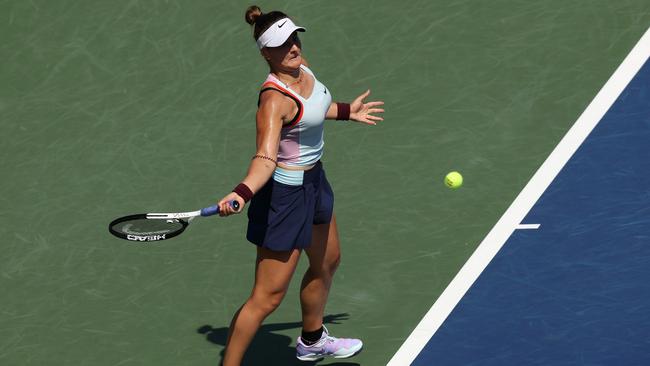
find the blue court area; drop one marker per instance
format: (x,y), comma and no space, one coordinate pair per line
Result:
(577,290)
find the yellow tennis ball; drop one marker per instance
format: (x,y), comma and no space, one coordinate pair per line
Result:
(453,180)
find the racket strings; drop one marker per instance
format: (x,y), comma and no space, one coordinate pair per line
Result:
(143,229)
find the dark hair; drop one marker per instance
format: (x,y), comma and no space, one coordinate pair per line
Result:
(261,21)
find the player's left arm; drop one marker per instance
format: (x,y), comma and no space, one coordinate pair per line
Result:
(360,111)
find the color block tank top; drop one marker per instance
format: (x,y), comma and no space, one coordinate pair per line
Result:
(301,141)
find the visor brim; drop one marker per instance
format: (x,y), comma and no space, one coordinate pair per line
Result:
(278,33)
(281,38)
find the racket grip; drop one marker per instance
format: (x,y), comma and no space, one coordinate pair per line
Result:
(214,209)
(209,211)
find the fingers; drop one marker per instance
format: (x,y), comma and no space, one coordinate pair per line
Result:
(365,119)
(370,107)
(226,205)
(363,112)
(363,96)
(223,208)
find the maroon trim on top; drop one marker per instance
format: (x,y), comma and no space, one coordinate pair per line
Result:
(276,87)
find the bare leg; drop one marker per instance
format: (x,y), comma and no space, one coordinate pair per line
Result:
(273,272)
(324,257)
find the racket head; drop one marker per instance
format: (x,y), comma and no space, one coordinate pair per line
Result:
(138,228)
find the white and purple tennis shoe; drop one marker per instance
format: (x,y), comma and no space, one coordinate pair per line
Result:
(328,346)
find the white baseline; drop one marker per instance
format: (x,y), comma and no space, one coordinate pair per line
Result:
(506,225)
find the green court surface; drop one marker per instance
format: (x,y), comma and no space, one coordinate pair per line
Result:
(110,108)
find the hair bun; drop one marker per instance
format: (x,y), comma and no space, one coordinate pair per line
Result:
(252,13)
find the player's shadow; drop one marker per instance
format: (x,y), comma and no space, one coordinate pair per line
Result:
(271,349)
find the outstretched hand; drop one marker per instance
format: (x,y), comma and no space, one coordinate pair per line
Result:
(363,112)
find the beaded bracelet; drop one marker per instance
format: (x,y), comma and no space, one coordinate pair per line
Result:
(258,156)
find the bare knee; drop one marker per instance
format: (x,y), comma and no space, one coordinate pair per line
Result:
(266,303)
(327,267)
(333,263)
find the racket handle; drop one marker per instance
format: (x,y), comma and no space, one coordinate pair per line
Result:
(209,211)
(214,209)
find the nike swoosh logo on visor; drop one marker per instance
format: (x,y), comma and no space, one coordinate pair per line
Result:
(280,25)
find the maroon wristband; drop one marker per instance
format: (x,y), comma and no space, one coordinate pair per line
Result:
(243,191)
(342,111)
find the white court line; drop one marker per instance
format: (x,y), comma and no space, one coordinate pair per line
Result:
(522,204)
(527,227)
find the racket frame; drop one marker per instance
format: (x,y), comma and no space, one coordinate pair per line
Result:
(153,237)
(183,218)
(173,215)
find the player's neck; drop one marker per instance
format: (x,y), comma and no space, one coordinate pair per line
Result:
(289,77)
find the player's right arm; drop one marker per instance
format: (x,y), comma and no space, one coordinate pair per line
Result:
(275,109)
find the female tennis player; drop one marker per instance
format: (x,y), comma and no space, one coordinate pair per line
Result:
(291,202)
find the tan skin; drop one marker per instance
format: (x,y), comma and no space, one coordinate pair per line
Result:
(273,270)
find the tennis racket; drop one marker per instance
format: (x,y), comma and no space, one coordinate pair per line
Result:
(158,226)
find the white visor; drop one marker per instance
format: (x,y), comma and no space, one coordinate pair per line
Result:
(278,33)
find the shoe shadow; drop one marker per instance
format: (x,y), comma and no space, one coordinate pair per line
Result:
(271,349)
